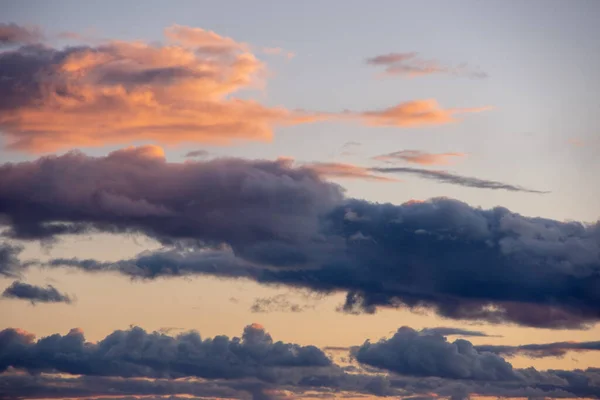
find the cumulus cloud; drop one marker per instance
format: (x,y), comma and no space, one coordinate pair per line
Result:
(137,363)
(35,294)
(419,157)
(555,349)
(412,65)
(274,223)
(454,179)
(13,34)
(137,353)
(411,352)
(415,113)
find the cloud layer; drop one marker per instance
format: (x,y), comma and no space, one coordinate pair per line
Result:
(135,362)
(275,224)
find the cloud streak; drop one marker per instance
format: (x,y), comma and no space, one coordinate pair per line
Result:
(447,177)
(556,349)
(35,294)
(419,157)
(412,65)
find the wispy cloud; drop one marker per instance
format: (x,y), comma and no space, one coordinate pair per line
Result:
(278,303)
(412,65)
(447,177)
(419,157)
(347,171)
(278,51)
(555,349)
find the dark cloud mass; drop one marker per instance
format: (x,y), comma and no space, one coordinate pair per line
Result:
(275,224)
(411,352)
(446,177)
(410,363)
(35,294)
(137,353)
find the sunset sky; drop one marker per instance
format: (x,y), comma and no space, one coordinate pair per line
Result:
(277,199)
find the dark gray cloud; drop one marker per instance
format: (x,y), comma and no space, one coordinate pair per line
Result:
(13,34)
(446,177)
(35,294)
(410,363)
(447,331)
(10,265)
(274,224)
(137,353)
(410,352)
(555,349)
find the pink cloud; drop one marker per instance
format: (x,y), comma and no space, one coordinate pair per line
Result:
(419,157)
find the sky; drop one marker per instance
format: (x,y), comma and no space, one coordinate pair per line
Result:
(264,200)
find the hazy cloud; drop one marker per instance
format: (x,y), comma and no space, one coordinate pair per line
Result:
(13,34)
(197,153)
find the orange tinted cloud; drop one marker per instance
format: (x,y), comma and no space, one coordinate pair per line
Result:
(415,113)
(122,92)
(419,157)
(348,171)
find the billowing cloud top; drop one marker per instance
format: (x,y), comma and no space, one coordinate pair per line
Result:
(424,354)
(136,352)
